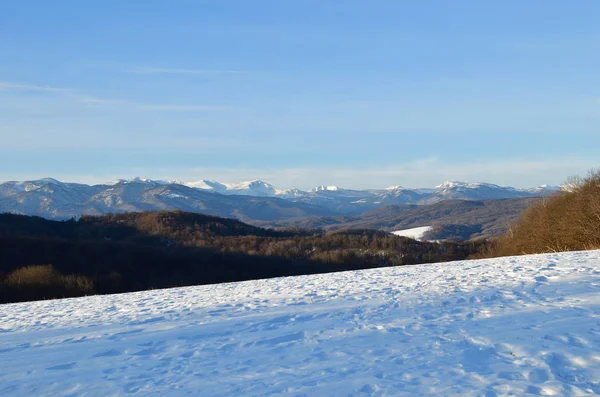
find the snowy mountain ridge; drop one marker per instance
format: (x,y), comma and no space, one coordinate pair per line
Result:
(257,187)
(51,198)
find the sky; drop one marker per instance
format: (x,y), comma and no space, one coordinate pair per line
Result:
(359,94)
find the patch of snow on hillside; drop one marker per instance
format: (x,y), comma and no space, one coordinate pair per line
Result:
(415,233)
(526,325)
(175,195)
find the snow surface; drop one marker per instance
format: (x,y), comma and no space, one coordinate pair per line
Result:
(415,233)
(509,326)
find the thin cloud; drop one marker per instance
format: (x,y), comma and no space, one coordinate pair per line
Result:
(94,101)
(69,92)
(91,100)
(151,70)
(7,86)
(167,108)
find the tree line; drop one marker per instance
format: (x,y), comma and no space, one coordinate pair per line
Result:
(127,252)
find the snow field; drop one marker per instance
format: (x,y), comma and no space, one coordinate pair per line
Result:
(415,233)
(510,326)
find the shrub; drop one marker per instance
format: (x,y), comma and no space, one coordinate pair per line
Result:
(43,281)
(37,275)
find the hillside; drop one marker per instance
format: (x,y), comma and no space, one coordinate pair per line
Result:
(510,326)
(455,219)
(41,259)
(568,221)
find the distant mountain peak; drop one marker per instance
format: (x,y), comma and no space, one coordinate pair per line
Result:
(49,180)
(115,182)
(253,184)
(394,187)
(452,184)
(547,188)
(207,185)
(323,188)
(136,179)
(468,185)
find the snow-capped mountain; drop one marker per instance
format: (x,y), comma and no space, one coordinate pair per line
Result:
(337,197)
(56,200)
(354,202)
(324,188)
(256,188)
(547,188)
(208,185)
(251,200)
(453,190)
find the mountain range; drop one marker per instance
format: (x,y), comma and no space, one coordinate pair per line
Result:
(447,220)
(252,201)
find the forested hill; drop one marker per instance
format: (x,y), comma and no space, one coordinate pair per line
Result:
(40,258)
(178,226)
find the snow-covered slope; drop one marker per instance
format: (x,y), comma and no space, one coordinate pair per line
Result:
(510,326)
(208,185)
(415,233)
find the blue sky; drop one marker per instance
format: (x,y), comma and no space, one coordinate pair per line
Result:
(300,93)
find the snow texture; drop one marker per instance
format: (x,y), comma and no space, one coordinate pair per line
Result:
(511,326)
(415,233)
